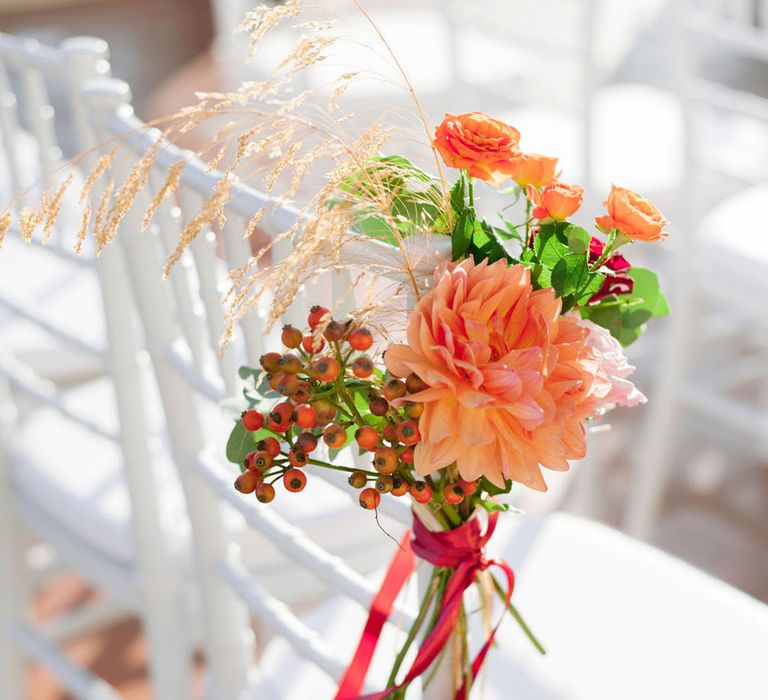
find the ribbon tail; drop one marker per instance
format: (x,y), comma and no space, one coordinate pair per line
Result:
(400,569)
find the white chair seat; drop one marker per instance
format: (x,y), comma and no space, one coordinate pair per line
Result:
(619,619)
(91,499)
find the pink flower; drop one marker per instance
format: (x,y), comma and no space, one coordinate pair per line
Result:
(510,379)
(613,367)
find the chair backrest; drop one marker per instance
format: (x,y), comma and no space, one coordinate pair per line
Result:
(187,388)
(27,70)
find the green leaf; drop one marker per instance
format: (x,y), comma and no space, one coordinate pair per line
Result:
(646,287)
(495,506)
(246,373)
(458,197)
(578,239)
(662,306)
(551,245)
(491,489)
(594,285)
(484,244)
(462,235)
(405,165)
(570,274)
(239,444)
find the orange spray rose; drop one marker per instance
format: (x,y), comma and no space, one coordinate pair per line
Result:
(533,169)
(556,201)
(633,215)
(475,142)
(509,379)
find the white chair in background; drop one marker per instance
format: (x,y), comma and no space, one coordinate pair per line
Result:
(77,473)
(715,352)
(592,594)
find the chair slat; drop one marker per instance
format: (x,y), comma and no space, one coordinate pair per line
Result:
(39,114)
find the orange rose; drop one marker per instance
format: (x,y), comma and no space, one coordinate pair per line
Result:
(533,169)
(633,215)
(556,201)
(475,142)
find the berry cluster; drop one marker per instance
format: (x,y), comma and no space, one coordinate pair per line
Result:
(332,393)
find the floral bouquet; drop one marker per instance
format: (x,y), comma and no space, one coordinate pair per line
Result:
(511,349)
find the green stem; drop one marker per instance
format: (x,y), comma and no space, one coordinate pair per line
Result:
(328,465)
(528,237)
(421,615)
(518,618)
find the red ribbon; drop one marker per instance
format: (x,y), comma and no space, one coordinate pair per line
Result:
(461,550)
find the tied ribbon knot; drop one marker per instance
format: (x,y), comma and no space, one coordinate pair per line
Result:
(461,550)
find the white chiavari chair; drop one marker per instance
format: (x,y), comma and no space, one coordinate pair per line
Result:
(300,540)
(714,356)
(77,469)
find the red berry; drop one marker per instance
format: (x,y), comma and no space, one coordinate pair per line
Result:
(325,410)
(270,361)
(265,493)
(408,432)
(453,494)
(367,437)
(360,339)
(399,486)
(288,384)
(415,384)
(291,337)
(274,380)
(297,458)
(378,406)
(302,393)
(326,369)
(306,416)
(406,456)
(369,499)
(357,480)
(306,442)
(468,487)
(390,432)
(270,445)
(334,331)
(247,482)
(317,316)
(420,491)
(362,367)
(294,480)
(335,436)
(414,409)
(259,461)
(313,343)
(385,460)
(394,389)
(290,364)
(280,418)
(252,420)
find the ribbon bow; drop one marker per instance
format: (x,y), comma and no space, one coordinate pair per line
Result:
(462,550)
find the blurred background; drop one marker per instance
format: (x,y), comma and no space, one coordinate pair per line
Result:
(621,91)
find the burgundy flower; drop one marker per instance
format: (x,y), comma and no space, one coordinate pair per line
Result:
(619,283)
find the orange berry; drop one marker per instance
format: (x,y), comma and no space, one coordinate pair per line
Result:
(362,367)
(357,480)
(288,384)
(406,456)
(265,493)
(325,411)
(360,339)
(280,418)
(326,369)
(318,315)
(384,484)
(369,499)
(294,480)
(394,389)
(306,416)
(335,436)
(247,482)
(313,343)
(385,460)
(291,337)
(414,409)
(302,393)
(334,331)
(453,494)
(468,487)
(306,442)
(252,420)
(415,384)
(420,491)
(378,406)
(259,460)
(290,364)
(367,437)
(274,380)
(270,361)
(399,486)
(297,458)
(408,432)
(269,445)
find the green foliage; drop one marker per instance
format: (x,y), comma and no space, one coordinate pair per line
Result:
(239,444)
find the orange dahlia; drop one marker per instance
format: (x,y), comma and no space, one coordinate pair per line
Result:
(510,380)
